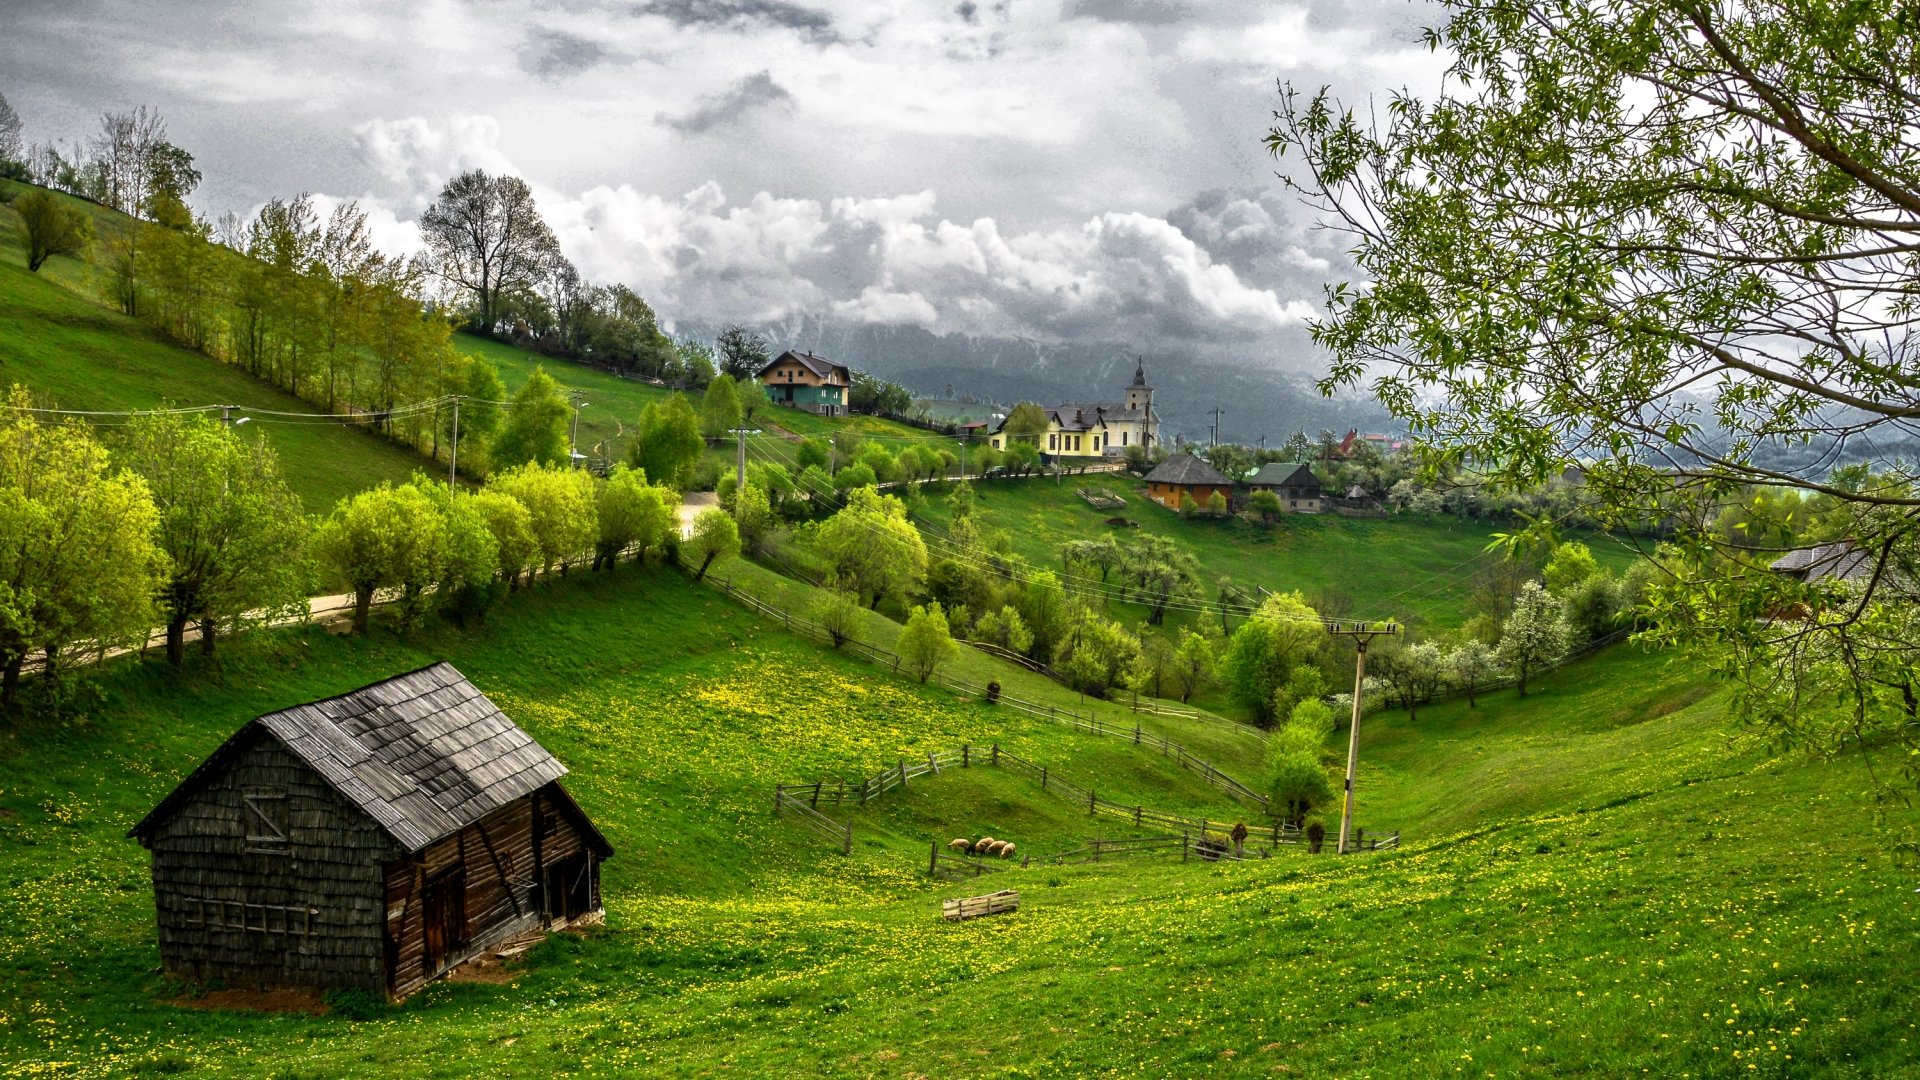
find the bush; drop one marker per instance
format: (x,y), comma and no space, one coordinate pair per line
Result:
(993,692)
(1316,835)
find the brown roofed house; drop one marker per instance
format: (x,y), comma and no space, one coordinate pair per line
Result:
(1184,474)
(373,840)
(801,380)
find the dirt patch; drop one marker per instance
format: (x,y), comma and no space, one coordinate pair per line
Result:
(267,1001)
(499,964)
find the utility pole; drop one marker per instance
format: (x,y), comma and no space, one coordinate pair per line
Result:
(1216,412)
(1362,634)
(740,465)
(573,432)
(453,448)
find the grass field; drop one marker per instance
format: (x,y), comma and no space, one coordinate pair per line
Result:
(1418,570)
(59,341)
(1597,881)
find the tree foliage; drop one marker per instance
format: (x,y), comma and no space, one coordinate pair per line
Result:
(1536,634)
(535,429)
(668,445)
(871,547)
(1673,242)
(52,227)
(926,645)
(715,537)
(234,533)
(485,236)
(1283,634)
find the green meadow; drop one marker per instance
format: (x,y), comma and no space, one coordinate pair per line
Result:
(1598,879)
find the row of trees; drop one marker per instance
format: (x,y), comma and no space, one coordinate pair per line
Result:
(181,521)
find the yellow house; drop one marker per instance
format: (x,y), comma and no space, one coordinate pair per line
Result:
(1098,429)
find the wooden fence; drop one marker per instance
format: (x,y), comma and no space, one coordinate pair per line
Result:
(946,864)
(837,832)
(972,907)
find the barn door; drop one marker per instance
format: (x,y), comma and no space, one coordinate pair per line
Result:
(443,906)
(569,888)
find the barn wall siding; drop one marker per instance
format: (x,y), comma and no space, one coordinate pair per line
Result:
(226,909)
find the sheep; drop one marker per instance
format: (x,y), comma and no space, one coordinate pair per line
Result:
(982,844)
(1000,847)
(1007,851)
(961,844)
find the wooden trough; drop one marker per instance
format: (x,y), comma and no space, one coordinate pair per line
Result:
(972,907)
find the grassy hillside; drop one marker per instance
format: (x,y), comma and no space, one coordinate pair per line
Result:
(614,404)
(59,341)
(1596,881)
(1416,569)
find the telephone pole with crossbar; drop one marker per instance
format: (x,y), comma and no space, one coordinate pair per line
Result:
(1362,634)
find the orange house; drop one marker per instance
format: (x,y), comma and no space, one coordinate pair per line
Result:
(1185,475)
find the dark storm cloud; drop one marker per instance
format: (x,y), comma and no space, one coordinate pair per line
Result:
(713,110)
(555,54)
(815,24)
(968,11)
(1146,12)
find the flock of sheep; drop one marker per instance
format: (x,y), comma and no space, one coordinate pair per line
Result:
(986,845)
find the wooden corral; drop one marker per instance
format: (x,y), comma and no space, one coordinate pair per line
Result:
(373,840)
(973,907)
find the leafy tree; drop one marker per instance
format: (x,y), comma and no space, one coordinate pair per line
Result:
(877,458)
(469,566)
(1296,779)
(1266,504)
(854,477)
(1193,663)
(1594,607)
(1571,563)
(754,516)
(479,416)
(536,426)
(232,530)
(813,452)
(12,149)
(562,510)
(743,353)
(52,227)
(668,445)
(77,557)
(1027,423)
(1004,628)
(720,408)
(715,537)
(1469,663)
(753,401)
(1160,574)
(925,643)
(1022,457)
(872,548)
(485,235)
(1669,242)
(1043,604)
(511,524)
(1097,655)
(631,513)
(1217,504)
(1415,671)
(1535,634)
(838,613)
(1282,634)
(387,537)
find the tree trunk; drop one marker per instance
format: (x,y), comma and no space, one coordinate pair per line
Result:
(209,630)
(703,568)
(10,680)
(177,641)
(362,602)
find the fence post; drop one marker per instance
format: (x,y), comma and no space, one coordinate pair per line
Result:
(816,794)
(933,858)
(846,839)
(903,774)
(863,793)
(1136,733)
(1184,843)
(932,764)
(996,753)
(779,794)
(965,755)
(1092,802)
(1043,778)
(840,793)
(1136,817)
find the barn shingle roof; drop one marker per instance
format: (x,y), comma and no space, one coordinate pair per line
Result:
(423,754)
(1838,560)
(1284,474)
(1184,468)
(819,365)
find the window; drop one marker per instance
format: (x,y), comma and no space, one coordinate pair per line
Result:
(1123,438)
(266,819)
(1053,442)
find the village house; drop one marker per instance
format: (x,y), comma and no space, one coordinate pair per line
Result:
(801,380)
(1293,483)
(373,840)
(1100,429)
(1182,474)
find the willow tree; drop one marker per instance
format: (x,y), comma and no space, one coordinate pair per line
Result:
(1674,242)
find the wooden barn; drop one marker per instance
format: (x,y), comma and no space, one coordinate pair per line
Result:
(1183,474)
(374,840)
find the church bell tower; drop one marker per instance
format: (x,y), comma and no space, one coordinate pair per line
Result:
(1139,395)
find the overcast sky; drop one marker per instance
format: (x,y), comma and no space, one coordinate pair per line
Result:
(1053,169)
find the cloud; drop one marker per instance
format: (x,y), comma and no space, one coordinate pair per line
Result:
(554,54)
(741,97)
(421,156)
(741,15)
(1143,12)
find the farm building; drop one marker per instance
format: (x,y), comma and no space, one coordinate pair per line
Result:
(373,840)
(1294,483)
(801,380)
(1184,474)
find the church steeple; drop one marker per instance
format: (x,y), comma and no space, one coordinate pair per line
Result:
(1139,395)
